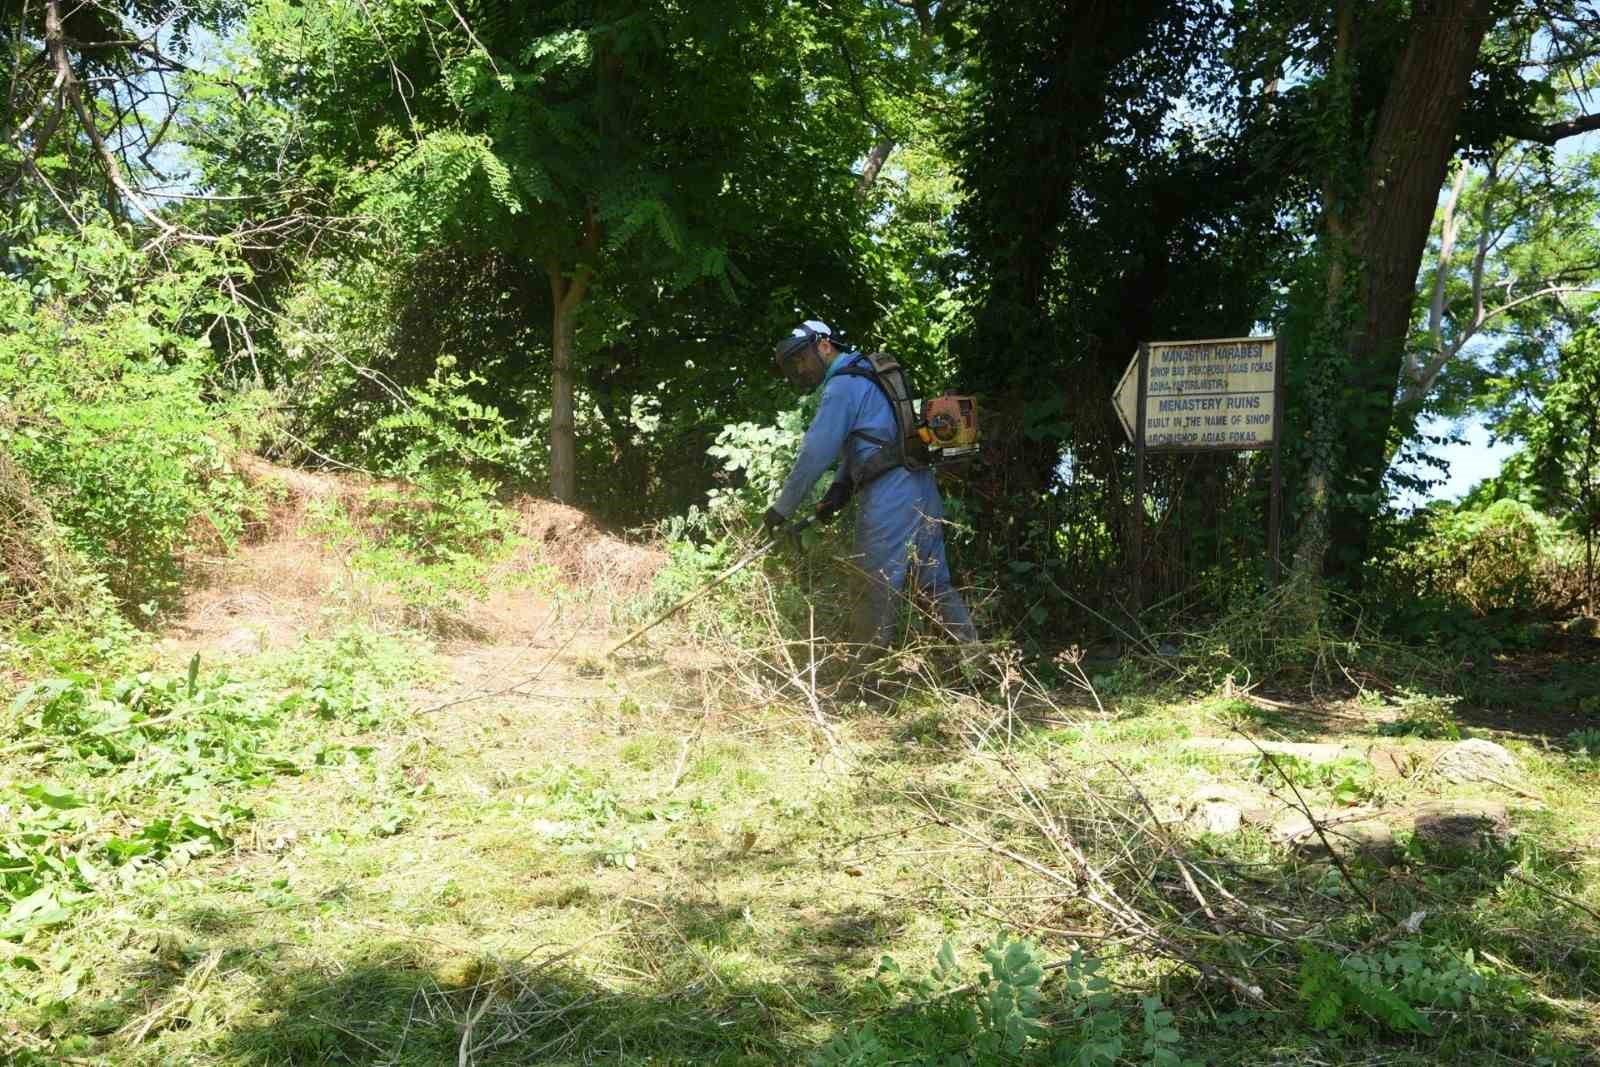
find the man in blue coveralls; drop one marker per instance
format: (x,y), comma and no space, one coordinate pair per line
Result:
(900,516)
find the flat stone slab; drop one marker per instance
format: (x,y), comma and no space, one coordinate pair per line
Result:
(1219,807)
(1462,826)
(1367,838)
(1217,817)
(1239,746)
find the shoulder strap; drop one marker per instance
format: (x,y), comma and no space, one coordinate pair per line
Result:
(885,372)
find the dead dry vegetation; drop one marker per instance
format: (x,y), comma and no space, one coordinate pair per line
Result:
(500,844)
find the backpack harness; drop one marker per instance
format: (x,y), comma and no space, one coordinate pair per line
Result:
(945,431)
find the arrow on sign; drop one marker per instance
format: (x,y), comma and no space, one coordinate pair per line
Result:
(1125,398)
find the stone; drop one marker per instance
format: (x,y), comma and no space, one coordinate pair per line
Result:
(1461,826)
(1219,808)
(1582,626)
(1367,839)
(1239,746)
(1217,817)
(1477,760)
(243,641)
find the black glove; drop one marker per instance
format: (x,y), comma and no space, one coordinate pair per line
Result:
(773,520)
(837,496)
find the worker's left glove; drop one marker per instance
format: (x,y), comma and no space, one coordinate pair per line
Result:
(773,520)
(837,496)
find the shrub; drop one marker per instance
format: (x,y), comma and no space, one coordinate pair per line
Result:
(105,412)
(1497,558)
(37,569)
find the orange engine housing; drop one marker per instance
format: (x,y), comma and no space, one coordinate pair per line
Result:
(951,422)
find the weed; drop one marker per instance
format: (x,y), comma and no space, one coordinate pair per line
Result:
(1393,986)
(1127,677)
(1425,715)
(1346,781)
(355,676)
(431,546)
(1585,742)
(1004,1015)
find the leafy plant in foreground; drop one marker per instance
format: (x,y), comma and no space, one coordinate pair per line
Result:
(1389,987)
(1004,1016)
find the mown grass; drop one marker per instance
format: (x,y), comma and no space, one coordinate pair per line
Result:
(637,868)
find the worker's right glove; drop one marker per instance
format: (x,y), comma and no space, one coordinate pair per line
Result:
(837,496)
(773,520)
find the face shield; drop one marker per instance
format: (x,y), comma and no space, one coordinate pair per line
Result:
(798,359)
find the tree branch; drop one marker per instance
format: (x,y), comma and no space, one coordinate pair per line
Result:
(1449,227)
(55,39)
(874,163)
(1423,380)
(1552,132)
(1485,226)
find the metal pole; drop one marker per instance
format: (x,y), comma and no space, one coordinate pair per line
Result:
(1138,481)
(1275,502)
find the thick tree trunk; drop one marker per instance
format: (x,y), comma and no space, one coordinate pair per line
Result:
(1405,168)
(1323,430)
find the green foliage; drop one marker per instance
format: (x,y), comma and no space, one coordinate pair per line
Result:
(756,458)
(1586,746)
(1336,993)
(104,374)
(1393,986)
(1564,447)
(1425,715)
(1347,781)
(430,544)
(1004,1015)
(1498,558)
(441,432)
(165,743)
(357,675)
(149,766)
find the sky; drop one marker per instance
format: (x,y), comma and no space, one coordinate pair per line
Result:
(1471,461)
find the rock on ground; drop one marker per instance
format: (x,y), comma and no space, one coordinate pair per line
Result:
(1462,825)
(1224,808)
(1477,760)
(1367,838)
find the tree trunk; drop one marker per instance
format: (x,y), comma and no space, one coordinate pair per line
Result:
(1311,548)
(1405,168)
(1588,572)
(875,161)
(566,295)
(563,437)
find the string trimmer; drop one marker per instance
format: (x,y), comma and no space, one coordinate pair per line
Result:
(793,529)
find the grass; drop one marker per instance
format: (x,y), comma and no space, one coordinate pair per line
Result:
(637,867)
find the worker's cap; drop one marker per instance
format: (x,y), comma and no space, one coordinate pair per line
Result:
(802,336)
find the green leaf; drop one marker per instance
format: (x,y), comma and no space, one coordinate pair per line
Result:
(53,796)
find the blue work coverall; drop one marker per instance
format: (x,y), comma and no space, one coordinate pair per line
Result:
(899,514)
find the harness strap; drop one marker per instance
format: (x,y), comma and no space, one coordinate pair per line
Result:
(889,454)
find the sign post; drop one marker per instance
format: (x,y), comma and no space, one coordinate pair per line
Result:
(1220,395)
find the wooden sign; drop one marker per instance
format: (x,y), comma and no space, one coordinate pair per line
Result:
(1222,395)
(1202,395)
